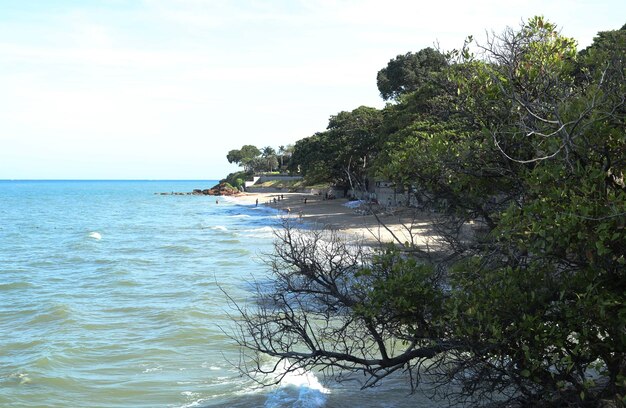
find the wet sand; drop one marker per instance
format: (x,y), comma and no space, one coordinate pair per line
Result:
(397,226)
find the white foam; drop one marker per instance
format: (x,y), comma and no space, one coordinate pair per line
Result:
(264,232)
(298,388)
(194,404)
(219,228)
(210,366)
(260,230)
(190,395)
(95,235)
(19,378)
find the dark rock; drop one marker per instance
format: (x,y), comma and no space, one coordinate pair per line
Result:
(221,189)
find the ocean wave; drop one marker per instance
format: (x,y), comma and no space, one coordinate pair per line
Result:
(193,404)
(181,249)
(262,232)
(42,264)
(15,285)
(190,395)
(260,229)
(124,310)
(231,241)
(298,388)
(128,283)
(95,235)
(104,261)
(229,262)
(134,262)
(30,344)
(55,313)
(44,362)
(17,378)
(235,251)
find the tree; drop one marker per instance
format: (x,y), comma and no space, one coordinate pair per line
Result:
(311,158)
(405,73)
(250,151)
(531,284)
(272,162)
(234,156)
(270,156)
(530,147)
(281,153)
(355,137)
(268,151)
(340,154)
(323,312)
(243,156)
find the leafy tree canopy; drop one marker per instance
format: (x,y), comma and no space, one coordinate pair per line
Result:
(340,154)
(246,152)
(405,73)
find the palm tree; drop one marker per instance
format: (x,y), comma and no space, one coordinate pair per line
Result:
(281,150)
(268,153)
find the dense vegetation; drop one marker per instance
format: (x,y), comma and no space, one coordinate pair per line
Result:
(255,161)
(525,139)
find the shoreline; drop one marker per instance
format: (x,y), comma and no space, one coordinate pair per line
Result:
(400,227)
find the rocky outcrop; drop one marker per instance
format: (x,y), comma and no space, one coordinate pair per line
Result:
(221,189)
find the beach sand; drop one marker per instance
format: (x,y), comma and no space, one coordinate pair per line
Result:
(399,226)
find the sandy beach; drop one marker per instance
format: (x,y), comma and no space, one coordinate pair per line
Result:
(399,227)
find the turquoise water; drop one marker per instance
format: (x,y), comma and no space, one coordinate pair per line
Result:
(111,296)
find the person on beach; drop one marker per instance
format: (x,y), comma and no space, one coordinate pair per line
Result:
(217,201)
(257,203)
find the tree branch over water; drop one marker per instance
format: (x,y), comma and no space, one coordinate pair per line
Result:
(318,312)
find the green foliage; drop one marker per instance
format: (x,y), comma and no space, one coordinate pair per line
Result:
(234,156)
(268,151)
(238,178)
(291,185)
(254,160)
(406,73)
(542,300)
(525,145)
(245,156)
(311,156)
(342,153)
(403,292)
(249,151)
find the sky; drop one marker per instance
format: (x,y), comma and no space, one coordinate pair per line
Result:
(163,89)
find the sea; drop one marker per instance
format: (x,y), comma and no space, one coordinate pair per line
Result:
(114,295)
